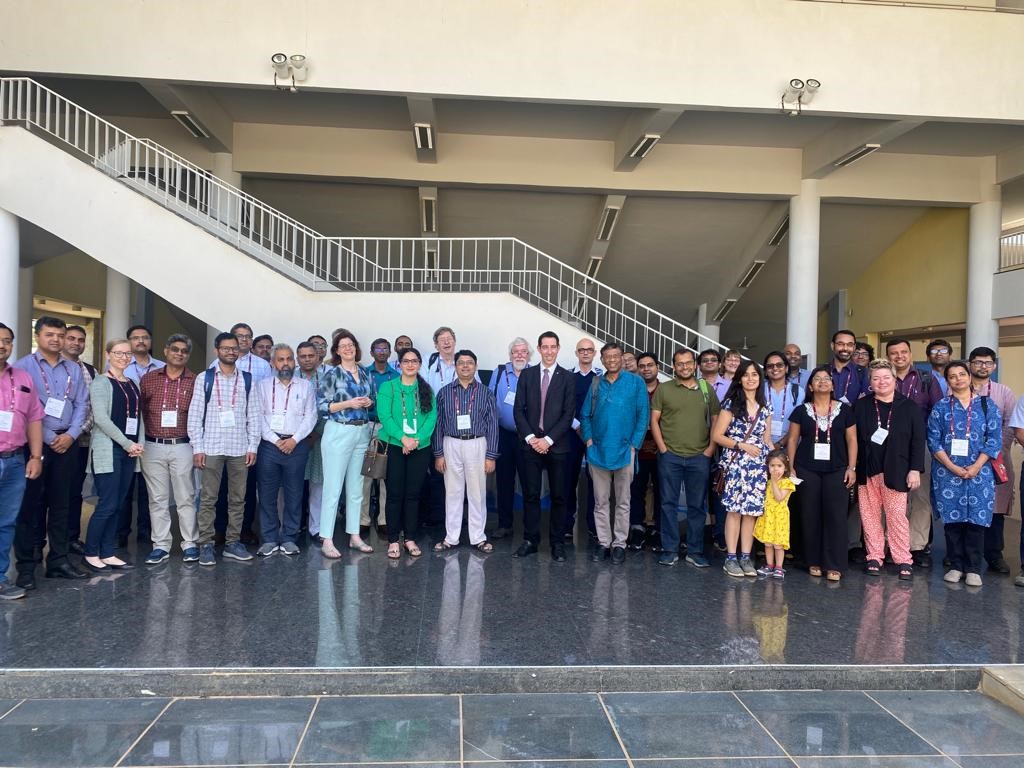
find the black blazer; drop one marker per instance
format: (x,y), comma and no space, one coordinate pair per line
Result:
(559,408)
(905,446)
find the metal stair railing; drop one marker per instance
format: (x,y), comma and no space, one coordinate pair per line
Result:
(339,263)
(1011,251)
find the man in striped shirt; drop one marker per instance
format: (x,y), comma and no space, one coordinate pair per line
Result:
(465,445)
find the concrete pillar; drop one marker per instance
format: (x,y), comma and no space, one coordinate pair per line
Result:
(117,314)
(26,293)
(704,328)
(802,298)
(982,263)
(10,254)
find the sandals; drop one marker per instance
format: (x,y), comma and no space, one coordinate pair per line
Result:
(329,550)
(815,571)
(873,568)
(394,551)
(484,546)
(833,576)
(362,546)
(906,572)
(412,549)
(444,546)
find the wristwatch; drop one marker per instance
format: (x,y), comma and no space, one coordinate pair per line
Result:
(35,458)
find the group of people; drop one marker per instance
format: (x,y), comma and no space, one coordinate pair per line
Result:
(766,452)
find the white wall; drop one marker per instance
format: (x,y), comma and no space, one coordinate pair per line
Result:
(872,59)
(219,284)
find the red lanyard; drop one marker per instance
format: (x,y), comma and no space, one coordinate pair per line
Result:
(234,390)
(878,415)
(472,397)
(46,380)
(127,398)
(817,429)
(913,387)
(177,392)
(846,389)
(953,400)
(273,396)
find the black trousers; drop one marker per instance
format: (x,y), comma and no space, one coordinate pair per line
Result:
(823,504)
(646,475)
(75,498)
(994,541)
(45,506)
(404,483)
(137,506)
(534,465)
(966,544)
(508,466)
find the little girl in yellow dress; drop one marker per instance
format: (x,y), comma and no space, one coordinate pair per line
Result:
(772,528)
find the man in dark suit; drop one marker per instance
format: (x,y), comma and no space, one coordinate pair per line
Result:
(544,408)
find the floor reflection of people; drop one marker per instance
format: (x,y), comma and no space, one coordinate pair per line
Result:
(461,614)
(337,640)
(882,633)
(741,645)
(771,622)
(610,626)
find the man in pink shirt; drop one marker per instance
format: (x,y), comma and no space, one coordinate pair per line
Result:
(21,421)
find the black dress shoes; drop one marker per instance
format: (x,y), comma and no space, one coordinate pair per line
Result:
(26,580)
(999,566)
(526,549)
(558,553)
(618,555)
(77,547)
(65,571)
(600,554)
(500,533)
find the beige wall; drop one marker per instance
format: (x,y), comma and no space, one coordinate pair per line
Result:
(920,280)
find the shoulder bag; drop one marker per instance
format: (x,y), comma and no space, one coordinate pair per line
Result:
(375,462)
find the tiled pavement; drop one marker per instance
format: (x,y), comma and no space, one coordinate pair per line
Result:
(809,729)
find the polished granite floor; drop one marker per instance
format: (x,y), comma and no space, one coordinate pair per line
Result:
(467,609)
(809,729)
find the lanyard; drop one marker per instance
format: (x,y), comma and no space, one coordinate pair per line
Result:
(234,390)
(951,406)
(508,383)
(441,373)
(769,390)
(273,396)
(846,390)
(127,398)
(458,400)
(878,415)
(817,424)
(416,396)
(46,379)
(913,386)
(10,370)
(177,392)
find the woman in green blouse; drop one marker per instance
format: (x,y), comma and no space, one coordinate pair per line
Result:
(407,413)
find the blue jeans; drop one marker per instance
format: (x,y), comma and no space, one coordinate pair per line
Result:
(279,470)
(689,472)
(12,488)
(112,490)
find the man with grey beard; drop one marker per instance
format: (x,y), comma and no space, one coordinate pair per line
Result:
(287,416)
(503,384)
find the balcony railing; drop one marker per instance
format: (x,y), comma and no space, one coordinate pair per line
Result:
(339,263)
(1011,251)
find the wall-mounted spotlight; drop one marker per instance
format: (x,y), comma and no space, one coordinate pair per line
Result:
(288,68)
(797,93)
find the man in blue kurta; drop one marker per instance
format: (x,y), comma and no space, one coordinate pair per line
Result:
(613,422)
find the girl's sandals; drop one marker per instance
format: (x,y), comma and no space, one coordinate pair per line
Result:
(444,546)
(834,576)
(873,568)
(484,546)
(412,549)
(815,571)
(394,551)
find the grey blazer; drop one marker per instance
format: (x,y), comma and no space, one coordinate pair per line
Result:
(105,433)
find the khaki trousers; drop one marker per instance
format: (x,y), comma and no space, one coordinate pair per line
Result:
(168,470)
(603,479)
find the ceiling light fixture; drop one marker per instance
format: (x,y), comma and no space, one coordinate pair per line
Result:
(753,271)
(724,310)
(780,232)
(424,133)
(608,220)
(644,145)
(288,68)
(856,154)
(190,124)
(429,214)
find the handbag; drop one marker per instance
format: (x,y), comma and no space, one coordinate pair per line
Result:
(999,471)
(718,480)
(375,462)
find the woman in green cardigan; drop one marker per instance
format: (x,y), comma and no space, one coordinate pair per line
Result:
(407,413)
(116,444)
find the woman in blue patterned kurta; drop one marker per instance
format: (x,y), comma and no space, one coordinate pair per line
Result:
(963,486)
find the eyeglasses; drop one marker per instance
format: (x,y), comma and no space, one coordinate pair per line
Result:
(410,361)
(984,363)
(228,350)
(775,365)
(821,380)
(381,349)
(177,351)
(138,338)
(347,347)
(685,364)
(120,354)
(243,336)
(704,360)
(939,351)
(586,351)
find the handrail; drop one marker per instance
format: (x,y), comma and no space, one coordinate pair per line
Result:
(341,263)
(1011,251)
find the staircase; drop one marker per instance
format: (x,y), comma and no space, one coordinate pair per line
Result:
(320,263)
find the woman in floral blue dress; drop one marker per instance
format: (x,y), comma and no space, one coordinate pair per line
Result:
(963,434)
(743,429)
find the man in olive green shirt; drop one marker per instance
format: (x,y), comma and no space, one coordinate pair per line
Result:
(682,412)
